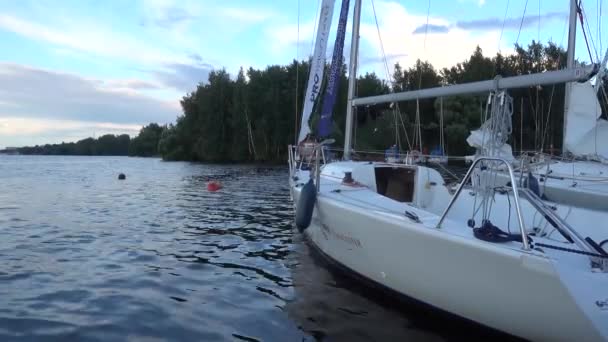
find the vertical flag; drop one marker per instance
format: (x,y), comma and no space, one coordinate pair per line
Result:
(329,99)
(317,66)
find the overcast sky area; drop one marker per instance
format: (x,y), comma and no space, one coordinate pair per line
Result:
(80,68)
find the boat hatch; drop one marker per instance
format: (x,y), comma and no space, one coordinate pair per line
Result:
(396,183)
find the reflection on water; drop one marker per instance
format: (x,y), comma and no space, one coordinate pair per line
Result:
(157,257)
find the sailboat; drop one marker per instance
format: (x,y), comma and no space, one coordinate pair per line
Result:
(579,178)
(498,257)
(438,155)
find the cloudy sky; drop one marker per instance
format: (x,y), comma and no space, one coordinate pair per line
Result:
(80,68)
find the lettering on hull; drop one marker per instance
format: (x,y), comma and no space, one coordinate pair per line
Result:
(327,233)
(602,304)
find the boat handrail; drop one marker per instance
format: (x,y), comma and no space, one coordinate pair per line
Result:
(558,223)
(318,153)
(522,228)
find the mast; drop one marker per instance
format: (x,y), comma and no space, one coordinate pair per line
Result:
(569,65)
(352,79)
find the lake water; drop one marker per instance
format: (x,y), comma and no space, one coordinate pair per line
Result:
(157,257)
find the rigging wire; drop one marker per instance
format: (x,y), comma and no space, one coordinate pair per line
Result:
(396,110)
(521,133)
(597,22)
(418,132)
(583,22)
(584,13)
(559,58)
(504,20)
(314,28)
(312,46)
(539,113)
(521,23)
(295,135)
(599,25)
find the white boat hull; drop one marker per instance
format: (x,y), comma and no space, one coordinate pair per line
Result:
(506,288)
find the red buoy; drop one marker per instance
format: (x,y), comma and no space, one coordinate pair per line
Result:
(214,186)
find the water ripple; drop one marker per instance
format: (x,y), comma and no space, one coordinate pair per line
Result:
(157,257)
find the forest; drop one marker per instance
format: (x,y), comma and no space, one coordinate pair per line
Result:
(144,145)
(251,117)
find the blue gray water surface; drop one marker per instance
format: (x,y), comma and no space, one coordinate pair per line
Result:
(157,257)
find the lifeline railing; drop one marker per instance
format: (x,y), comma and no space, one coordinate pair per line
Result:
(520,219)
(557,222)
(318,155)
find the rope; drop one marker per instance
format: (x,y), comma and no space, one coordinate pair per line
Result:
(571,250)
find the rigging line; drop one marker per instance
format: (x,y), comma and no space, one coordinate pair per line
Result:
(521,23)
(542,141)
(538,32)
(418,133)
(598,20)
(580,17)
(605,99)
(314,28)
(557,66)
(426,29)
(297,76)
(381,44)
(501,32)
(539,62)
(312,46)
(597,57)
(503,24)
(396,110)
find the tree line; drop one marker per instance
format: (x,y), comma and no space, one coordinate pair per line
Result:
(253,117)
(145,144)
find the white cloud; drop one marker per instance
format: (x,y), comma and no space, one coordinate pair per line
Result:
(89,38)
(19,131)
(246,15)
(130,84)
(37,93)
(481,2)
(441,49)
(400,43)
(16,126)
(285,36)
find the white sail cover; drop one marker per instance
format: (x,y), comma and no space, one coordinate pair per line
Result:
(491,138)
(481,141)
(586,134)
(317,66)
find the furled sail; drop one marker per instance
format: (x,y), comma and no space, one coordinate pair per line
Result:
(329,99)
(491,138)
(317,66)
(586,134)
